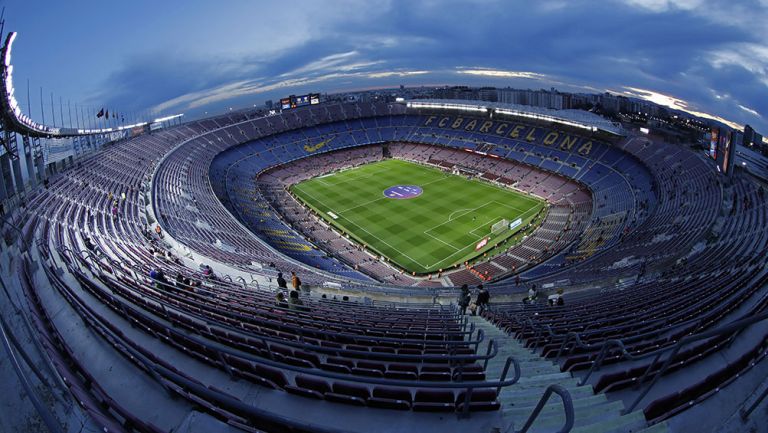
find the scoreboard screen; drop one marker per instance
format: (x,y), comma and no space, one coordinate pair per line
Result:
(294,101)
(713,143)
(725,152)
(299,101)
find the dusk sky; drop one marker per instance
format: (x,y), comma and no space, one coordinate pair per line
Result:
(202,56)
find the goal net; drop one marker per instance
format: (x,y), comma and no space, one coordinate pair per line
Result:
(500,226)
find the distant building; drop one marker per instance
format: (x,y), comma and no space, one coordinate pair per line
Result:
(538,98)
(752,138)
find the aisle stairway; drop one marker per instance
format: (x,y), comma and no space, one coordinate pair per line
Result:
(594,413)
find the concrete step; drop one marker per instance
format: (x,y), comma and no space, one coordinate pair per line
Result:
(584,416)
(549,377)
(532,384)
(530,403)
(530,400)
(661,427)
(555,405)
(629,423)
(593,413)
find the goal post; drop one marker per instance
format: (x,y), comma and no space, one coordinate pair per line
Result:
(500,226)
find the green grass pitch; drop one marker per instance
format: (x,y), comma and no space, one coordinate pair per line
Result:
(435,230)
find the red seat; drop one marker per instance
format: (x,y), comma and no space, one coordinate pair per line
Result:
(391,398)
(349,393)
(481,399)
(434,401)
(309,387)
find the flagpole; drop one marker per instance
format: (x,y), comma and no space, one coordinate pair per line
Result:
(53,110)
(42,110)
(61,110)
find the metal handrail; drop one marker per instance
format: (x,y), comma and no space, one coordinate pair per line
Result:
(576,337)
(737,325)
(528,322)
(605,345)
(565,396)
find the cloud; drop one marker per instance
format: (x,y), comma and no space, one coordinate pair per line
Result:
(674,103)
(750,111)
(750,56)
(256,87)
(709,54)
(495,73)
(659,6)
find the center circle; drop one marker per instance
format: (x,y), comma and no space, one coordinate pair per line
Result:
(402,192)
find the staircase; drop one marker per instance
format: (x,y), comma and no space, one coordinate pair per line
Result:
(594,413)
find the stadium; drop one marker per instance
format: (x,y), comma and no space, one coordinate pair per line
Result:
(147,278)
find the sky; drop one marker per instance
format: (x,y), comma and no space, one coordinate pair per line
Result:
(152,58)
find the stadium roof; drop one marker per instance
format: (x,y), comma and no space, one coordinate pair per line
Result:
(21,123)
(574,118)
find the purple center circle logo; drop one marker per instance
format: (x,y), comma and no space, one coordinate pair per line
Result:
(401,192)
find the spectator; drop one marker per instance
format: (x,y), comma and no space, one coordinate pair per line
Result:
(158,277)
(114,211)
(281,283)
(280,300)
(464,299)
(159,231)
(295,281)
(473,308)
(483,298)
(294,303)
(205,270)
(89,245)
(532,294)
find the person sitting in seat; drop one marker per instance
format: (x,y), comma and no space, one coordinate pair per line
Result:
(280,300)
(158,277)
(294,303)
(90,246)
(532,295)
(556,299)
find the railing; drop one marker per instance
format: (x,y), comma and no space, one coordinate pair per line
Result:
(606,346)
(735,326)
(503,381)
(476,342)
(565,396)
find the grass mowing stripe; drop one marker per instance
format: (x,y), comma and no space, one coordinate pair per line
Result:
(441,226)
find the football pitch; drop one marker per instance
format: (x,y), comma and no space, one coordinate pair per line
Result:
(418,217)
